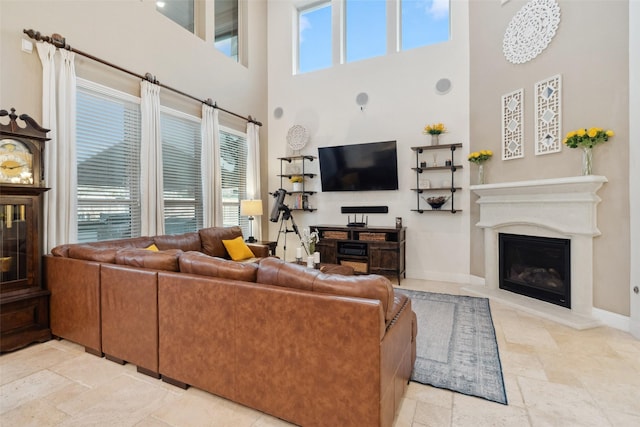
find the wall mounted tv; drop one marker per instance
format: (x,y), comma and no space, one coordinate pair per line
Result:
(359,167)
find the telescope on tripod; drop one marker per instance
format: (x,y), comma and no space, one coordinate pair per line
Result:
(281,212)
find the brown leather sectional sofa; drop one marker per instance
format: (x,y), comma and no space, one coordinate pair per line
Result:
(312,348)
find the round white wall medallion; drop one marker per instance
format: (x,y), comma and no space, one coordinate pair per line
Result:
(531,30)
(297,137)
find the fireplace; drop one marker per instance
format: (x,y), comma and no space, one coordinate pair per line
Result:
(537,267)
(556,208)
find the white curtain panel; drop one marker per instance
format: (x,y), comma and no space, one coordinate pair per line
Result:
(253,170)
(66,195)
(46,52)
(152,200)
(210,167)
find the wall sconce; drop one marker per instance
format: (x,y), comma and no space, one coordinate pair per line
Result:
(251,208)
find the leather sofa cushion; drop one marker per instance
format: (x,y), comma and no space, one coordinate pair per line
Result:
(205,265)
(61,250)
(162,260)
(259,250)
(212,237)
(370,286)
(135,242)
(91,253)
(186,242)
(274,271)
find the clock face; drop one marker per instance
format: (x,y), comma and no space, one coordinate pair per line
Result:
(16,162)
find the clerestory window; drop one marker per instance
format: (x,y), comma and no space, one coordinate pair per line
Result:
(424,22)
(314,38)
(368,29)
(226,24)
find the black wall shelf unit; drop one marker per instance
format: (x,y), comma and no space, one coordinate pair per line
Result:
(420,168)
(300,197)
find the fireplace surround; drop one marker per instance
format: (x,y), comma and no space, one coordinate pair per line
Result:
(558,208)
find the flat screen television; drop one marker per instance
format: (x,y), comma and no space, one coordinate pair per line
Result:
(359,167)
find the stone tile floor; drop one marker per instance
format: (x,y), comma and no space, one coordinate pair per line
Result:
(554,376)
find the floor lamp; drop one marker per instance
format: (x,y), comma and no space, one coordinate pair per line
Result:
(251,208)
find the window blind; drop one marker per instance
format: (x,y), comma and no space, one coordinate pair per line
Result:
(182,192)
(233,150)
(108,156)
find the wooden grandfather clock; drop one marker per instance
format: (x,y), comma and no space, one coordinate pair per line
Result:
(24,302)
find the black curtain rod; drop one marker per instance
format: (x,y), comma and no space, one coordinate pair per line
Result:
(60,42)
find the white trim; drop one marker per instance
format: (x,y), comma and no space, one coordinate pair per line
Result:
(107,91)
(233,131)
(180,114)
(611,319)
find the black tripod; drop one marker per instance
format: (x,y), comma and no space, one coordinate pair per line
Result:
(287,216)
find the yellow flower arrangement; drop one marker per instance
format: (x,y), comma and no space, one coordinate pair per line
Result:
(480,157)
(296,178)
(434,129)
(587,137)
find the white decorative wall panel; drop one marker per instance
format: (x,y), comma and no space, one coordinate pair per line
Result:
(548,115)
(512,125)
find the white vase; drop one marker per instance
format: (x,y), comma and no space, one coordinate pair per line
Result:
(435,139)
(297,186)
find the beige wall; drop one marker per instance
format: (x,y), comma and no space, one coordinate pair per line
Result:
(133,35)
(590,51)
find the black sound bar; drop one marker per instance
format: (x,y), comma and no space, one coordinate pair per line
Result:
(364,209)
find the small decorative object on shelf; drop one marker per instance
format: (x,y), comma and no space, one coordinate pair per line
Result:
(479,157)
(297,180)
(434,130)
(587,139)
(436,202)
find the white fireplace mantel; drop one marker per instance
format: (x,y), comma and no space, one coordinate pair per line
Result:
(560,207)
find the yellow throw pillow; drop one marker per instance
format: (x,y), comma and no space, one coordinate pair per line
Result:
(238,249)
(152,247)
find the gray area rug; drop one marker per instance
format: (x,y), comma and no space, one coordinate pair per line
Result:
(456,345)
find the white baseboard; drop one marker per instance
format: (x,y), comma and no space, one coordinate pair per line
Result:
(614,320)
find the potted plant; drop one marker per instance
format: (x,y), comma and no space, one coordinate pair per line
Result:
(434,130)
(479,157)
(297,182)
(587,139)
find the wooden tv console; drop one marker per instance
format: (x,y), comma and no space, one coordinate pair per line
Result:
(369,250)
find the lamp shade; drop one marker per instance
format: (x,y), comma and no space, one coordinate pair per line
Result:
(250,207)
